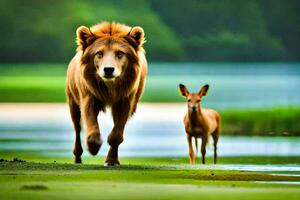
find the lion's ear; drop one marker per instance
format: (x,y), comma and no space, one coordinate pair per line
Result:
(136,36)
(84,37)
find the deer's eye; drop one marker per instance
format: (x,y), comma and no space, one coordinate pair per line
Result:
(120,54)
(198,101)
(189,100)
(99,54)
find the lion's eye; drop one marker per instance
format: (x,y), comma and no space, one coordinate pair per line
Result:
(120,54)
(189,100)
(99,54)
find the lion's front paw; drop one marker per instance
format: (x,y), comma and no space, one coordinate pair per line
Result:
(94,143)
(111,162)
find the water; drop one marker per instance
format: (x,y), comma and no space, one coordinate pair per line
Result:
(47,129)
(233,85)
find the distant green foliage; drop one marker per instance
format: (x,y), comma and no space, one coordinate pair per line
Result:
(45,30)
(234,30)
(215,30)
(220,46)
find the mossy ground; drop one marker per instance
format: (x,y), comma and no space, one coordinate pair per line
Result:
(42,177)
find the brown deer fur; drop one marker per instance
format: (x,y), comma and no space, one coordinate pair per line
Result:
(89,90)
(200,122)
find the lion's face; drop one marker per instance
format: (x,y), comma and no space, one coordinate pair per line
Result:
(110,61)
(110,48)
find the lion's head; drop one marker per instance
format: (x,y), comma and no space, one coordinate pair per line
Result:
(109,49)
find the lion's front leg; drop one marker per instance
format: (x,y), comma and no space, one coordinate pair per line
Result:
(90,110)
(121,112)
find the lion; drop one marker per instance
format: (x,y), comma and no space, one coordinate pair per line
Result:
(108,70)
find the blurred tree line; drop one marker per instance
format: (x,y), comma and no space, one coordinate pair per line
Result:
(191,30)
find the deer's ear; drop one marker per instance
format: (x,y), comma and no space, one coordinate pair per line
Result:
(183,90)
(84,37)
(203,90)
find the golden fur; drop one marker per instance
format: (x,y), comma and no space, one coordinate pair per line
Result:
(89,92)
(200,122)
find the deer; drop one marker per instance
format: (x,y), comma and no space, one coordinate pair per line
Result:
(200,122)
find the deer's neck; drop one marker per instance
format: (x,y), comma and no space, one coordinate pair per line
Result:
(196,117)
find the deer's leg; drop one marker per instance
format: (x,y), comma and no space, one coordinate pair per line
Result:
(191,150)
(75,116)
(196,145)
(89,111)
(121,112)
(203,148)
(215,136)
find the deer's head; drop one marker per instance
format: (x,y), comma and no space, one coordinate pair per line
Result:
(193,99)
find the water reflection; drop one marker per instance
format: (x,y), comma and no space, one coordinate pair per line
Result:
(46,128)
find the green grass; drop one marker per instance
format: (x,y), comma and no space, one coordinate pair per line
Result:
(141,178)
(32,89)
(272,122)
(32,82)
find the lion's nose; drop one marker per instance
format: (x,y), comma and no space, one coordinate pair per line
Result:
(109,71)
